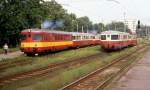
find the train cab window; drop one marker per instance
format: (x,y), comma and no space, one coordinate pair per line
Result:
(103,37)
(23,37)
(93,37)
(114,37)
(37,37)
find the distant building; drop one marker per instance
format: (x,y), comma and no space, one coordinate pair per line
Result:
(131,23)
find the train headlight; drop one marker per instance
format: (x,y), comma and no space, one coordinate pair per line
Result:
(22,45)
(35,45)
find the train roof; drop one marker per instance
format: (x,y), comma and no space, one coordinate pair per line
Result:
(45,30)
(113,32)
(56,31)
(80,33)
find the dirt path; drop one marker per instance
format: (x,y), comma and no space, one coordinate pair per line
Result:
(137,78)
(10,55)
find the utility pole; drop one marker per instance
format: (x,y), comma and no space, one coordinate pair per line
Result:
(82,29)
(102,28)
(115,27)
(87,28)
(124,14)
(146,31)
(77,27)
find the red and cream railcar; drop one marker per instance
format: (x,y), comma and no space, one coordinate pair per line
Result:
(35,41)
(113,40)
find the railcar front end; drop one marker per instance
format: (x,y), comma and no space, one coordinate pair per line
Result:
(114,40)
(37,41)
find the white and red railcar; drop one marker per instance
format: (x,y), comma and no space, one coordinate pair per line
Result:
(83,39)
(113,40)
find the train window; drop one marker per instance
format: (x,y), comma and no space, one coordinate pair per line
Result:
(63,37)
(125,37)
(114,37)
(91,37)
(103,37)
(56,37)
(37,37)
(73,37)
(129,37)
(78,38)
(23,37)
(87,37)
(59,37)
(45,37)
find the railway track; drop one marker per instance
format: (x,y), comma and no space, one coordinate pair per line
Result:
(26,60)
(46,70)
(14,63)
(19,62)
(100,78)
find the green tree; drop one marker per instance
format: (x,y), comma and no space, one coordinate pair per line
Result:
(16,15)
(101,27)
(84,23)
(118,26)
(70,22)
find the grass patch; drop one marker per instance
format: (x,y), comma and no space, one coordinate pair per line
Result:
(39,62)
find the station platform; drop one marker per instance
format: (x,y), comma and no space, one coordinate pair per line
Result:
(10,55)
(137,78)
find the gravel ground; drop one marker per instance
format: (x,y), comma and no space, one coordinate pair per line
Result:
(10,55)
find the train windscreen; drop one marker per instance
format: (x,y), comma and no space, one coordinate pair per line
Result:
(103,37)
(114,37)
(37,37)
(23,37)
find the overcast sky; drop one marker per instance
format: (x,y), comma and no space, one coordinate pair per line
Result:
(108,10)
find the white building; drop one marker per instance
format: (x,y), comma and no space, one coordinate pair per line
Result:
(131,23)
